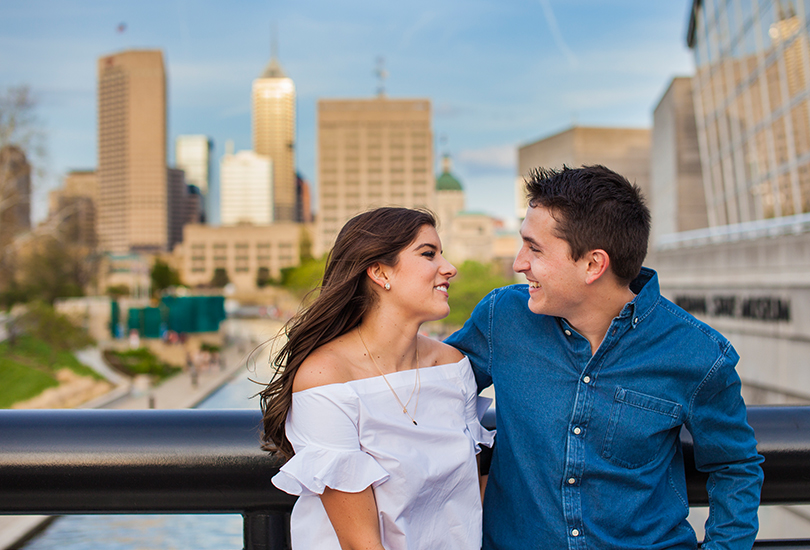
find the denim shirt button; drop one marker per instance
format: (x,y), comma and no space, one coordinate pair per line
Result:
(587,379)
(571,481)
(567,332)
(574,532)
(577,430)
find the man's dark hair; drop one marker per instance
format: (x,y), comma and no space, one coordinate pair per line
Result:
(595,208)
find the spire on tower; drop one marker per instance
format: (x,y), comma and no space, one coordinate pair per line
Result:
(382,74)
(273,69)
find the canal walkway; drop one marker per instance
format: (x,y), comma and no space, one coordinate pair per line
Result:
(182,391)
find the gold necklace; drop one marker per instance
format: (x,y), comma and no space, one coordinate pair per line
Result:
(417,381)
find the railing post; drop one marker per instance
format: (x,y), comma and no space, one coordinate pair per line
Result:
(266,530)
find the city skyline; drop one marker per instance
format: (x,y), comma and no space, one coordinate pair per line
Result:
(498,76)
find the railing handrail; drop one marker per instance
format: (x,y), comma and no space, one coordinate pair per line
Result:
(59,462)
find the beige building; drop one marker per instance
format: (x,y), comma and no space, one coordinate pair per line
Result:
(241,250)
(274,135)
(133,211)
(623,150)
(677,201)
(246,189)
(371,152)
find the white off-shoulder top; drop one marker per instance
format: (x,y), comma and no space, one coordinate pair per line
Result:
(352,435)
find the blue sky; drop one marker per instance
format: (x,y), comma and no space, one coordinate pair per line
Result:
(499,73)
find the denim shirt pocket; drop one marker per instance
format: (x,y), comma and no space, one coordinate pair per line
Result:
(639,425)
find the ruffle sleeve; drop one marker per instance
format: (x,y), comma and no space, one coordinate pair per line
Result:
(476,406)
(322,427)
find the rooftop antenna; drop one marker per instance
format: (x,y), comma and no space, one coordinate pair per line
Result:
(382,74)
(273,41)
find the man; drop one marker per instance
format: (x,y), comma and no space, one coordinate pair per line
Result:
(595,373)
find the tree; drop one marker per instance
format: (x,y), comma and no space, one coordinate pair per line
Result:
(21,143)
(163,276)
(305,246)
(18,121)
(51,269)
(263,277)
(304,277)
(473,282)
(220,278)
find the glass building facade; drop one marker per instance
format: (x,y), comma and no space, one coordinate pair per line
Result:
(751,94)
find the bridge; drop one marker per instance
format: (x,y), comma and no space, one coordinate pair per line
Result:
(61,462)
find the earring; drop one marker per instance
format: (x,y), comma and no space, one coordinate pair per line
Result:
(387,286)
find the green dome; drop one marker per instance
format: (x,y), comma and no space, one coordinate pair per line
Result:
(448,182)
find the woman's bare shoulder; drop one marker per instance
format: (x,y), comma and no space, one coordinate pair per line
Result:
(326,365)
(439,353)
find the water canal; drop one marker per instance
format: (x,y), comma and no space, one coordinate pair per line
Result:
(149,532)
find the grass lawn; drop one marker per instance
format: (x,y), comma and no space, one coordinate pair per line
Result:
(29,367)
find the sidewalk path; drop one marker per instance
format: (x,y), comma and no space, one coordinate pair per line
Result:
(178,392)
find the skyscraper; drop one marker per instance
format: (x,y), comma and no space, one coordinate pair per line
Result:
(273,102)
(371,152)
(246,189)
(192,154)
(133,211)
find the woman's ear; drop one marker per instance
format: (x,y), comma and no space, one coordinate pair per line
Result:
(376,272)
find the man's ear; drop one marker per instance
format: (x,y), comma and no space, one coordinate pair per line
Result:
(598,263)
(376,272)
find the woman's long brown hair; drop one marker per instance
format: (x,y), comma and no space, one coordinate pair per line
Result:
(343,298)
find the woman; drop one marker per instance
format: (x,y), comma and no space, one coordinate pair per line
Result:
(380,424)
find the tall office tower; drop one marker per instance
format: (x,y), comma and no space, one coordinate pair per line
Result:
(303,200)
(15,192)
(752,106)
(132,176)
(192,154)
(246,189)
(371,152)
(274,135)
(183,204)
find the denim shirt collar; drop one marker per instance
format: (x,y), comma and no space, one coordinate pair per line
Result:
(647,292)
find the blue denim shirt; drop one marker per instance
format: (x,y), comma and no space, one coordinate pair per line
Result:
(588,452)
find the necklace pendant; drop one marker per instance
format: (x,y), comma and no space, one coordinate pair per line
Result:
(414,422)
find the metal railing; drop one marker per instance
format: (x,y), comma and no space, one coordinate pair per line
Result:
(58,462)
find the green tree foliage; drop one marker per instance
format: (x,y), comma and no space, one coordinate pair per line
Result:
(303,278)
(19,129)
(54,269)
(139,361)
(163,276)
(473,282)
(305,246)
(263,277)
(220,278)
(44,323)
(117,291)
